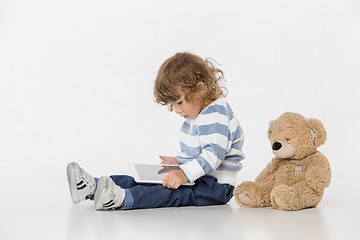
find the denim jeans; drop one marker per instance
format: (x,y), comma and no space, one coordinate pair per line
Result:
(206,191)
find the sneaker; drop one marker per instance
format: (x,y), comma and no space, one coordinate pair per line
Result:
(81,184)
(108,195)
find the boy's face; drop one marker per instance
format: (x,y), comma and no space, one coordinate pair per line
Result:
(187,109)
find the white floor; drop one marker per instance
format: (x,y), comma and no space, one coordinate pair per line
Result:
(45,211)
(76,84)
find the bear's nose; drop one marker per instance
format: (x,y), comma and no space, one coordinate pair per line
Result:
(276,146)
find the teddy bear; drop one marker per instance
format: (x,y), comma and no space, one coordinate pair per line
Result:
(298,174)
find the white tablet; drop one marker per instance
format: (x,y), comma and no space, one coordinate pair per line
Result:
(151,173)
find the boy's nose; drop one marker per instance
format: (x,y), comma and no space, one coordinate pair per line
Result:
(177,110)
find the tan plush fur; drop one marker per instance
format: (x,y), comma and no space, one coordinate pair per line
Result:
(296,178)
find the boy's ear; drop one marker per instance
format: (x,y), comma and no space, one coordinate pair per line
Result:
(201,87)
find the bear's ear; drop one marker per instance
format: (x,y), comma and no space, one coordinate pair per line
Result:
(271,124)
(317,130)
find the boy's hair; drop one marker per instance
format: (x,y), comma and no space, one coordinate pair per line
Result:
(184,71)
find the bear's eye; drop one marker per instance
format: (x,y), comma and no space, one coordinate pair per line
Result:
(287,139)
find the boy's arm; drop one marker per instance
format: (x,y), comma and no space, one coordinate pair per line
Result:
(214,140)
(206,162)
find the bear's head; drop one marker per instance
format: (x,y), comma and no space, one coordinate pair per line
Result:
(293,136)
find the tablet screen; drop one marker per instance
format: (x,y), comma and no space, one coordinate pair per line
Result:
(156,173)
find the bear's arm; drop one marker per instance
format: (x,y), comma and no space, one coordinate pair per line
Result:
(318,173)
(267,175)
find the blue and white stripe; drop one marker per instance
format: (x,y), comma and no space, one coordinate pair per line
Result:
(212,142)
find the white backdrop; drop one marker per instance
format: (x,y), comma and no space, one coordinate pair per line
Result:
(76,78)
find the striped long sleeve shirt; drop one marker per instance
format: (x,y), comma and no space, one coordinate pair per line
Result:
(212,144)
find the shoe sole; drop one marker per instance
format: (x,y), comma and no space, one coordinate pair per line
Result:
(99,194)
(70,170)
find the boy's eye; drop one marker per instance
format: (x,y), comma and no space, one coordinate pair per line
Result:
(179,102)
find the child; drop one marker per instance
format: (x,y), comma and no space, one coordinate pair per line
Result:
(211,142)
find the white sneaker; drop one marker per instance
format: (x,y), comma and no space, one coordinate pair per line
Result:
(81,184)
(108,195)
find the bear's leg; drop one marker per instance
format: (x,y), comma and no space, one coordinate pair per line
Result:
(249,194)
(297,197)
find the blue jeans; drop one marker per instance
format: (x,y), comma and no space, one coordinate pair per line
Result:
(206,191)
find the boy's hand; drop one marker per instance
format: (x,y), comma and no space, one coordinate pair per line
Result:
(169,160)
(166,169)
(174,179)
